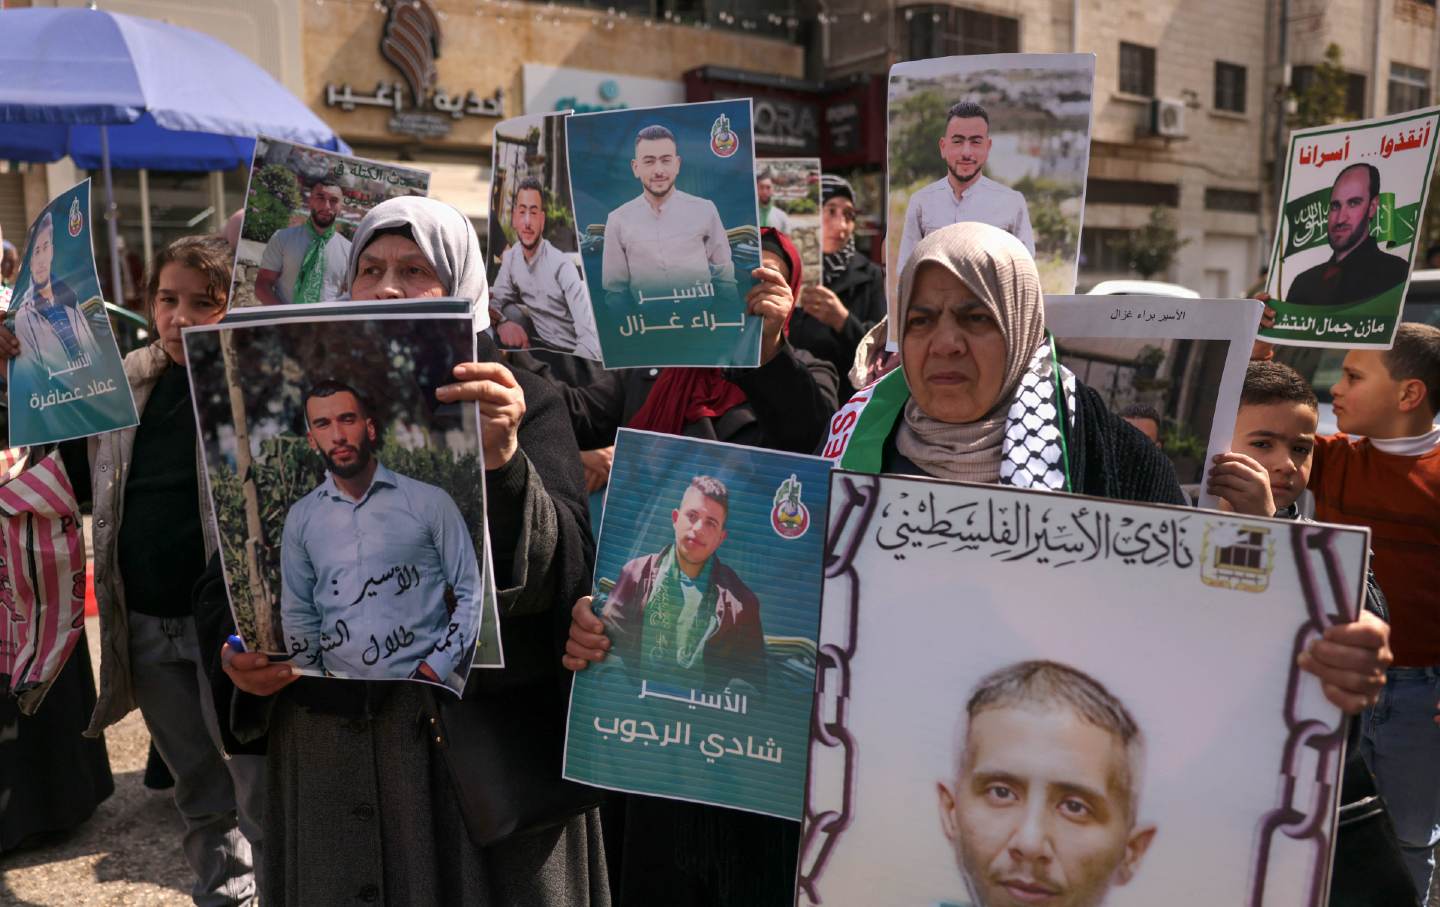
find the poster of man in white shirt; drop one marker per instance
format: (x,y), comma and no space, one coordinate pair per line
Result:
(965,193)
(666,207)
(538,297)
(1012,132)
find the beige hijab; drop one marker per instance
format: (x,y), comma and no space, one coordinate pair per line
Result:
(998,269)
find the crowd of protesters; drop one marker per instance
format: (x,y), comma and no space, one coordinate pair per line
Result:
(298,791)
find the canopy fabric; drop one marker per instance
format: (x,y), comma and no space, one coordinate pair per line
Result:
(171,98)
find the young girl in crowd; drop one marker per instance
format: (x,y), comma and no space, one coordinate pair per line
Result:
(151,541)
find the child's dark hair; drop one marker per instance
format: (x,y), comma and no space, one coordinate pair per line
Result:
(1143,411)
(1416,356)
(211,255)
(1273,382)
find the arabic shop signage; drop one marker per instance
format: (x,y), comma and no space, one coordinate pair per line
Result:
(431,120)
(410,42)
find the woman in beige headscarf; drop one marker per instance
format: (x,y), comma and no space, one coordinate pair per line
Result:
(980,396)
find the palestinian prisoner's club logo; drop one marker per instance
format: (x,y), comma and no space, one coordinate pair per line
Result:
(77,220)
(723,140)
(790,518)
(1237,557)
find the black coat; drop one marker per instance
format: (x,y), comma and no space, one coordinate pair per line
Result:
(790,401)
(1365,273)
(862,289)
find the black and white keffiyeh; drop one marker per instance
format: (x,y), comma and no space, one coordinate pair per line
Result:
(837,262)
(1033,450)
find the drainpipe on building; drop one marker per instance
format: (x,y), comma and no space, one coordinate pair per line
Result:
(1074,26)
(1267,105)
(1375,81)
(1282,103)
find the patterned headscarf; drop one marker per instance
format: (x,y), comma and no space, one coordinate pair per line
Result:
(996,267)
(837,262)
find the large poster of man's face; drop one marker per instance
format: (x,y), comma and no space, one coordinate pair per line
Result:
(348,500)
(301,209)
(1348,228)
(538,298)
(665,205)
(68,381)
(1003,139)
(707,585)
(1039,698)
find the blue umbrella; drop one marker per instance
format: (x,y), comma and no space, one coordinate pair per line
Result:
(109,89)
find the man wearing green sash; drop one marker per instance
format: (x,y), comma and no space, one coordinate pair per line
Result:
(306,263)
(680,616)
(1357,270)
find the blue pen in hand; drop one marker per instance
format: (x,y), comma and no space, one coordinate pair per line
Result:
(235,643)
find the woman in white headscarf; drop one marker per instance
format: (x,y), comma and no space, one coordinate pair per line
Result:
(364,788)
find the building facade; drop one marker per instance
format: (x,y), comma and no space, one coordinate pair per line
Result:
(447,72)
(1190,100)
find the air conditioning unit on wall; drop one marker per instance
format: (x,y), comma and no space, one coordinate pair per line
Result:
(1167,118)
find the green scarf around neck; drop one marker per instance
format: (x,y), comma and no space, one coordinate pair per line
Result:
(311,284)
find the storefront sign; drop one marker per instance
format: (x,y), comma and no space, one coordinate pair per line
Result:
(552,88)
(843,121)
(411,43)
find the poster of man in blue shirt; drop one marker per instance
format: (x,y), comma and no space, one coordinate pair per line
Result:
(379,575)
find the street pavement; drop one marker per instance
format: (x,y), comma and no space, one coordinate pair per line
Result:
(127,855)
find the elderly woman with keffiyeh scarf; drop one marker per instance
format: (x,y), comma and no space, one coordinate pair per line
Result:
(980,395)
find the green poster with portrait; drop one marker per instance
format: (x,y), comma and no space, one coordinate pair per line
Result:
(68,381)
(1347,230)
(665,206)
(707,581)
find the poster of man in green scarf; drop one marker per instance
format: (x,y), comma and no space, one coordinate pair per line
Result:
(1346,234)
(707,582)
(301,208)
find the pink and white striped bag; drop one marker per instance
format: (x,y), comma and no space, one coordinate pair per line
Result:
(42,574)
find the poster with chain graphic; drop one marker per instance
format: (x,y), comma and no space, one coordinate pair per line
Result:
(1072,701)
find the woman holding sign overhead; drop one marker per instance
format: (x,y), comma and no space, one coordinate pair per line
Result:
(378,791)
